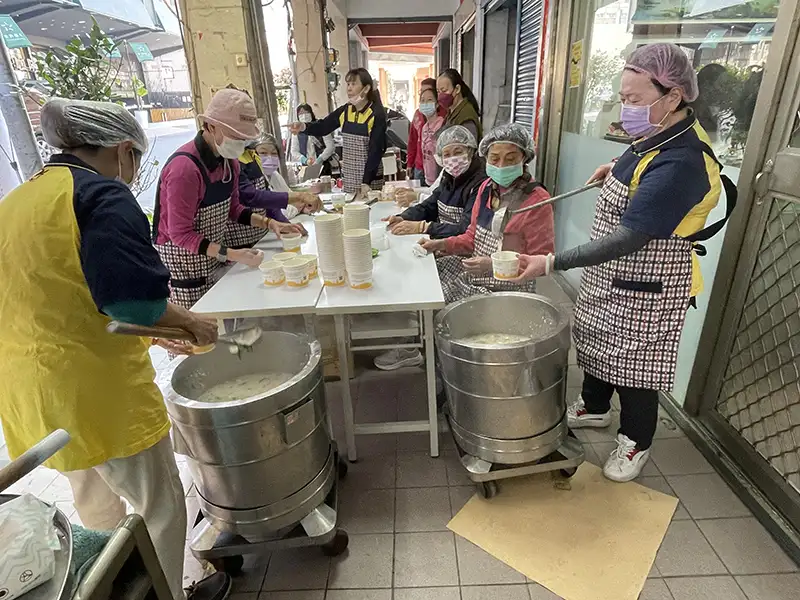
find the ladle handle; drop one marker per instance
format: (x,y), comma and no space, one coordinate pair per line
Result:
(580,190)
(164,333)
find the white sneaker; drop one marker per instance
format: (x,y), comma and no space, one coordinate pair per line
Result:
(626,462)
(399,358)
(578,418)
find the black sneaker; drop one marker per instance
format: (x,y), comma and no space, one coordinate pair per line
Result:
(215,587)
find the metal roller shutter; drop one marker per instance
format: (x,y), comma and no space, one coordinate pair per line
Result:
(530,31)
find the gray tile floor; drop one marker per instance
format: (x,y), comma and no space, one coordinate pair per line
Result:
(396,502)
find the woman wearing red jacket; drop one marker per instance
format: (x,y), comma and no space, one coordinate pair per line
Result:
(506,149)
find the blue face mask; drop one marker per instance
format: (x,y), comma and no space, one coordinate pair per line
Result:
(428,108)
(504,176)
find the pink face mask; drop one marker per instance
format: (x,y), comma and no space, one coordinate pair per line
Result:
(456,165)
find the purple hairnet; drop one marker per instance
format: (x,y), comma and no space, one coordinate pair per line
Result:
(668,65)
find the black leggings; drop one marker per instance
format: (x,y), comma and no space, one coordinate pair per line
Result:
(639,414)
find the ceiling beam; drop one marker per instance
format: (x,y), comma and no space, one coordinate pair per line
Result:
(399,29)
(400,41)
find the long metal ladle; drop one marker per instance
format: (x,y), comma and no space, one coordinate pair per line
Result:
(241,339)
(507,214)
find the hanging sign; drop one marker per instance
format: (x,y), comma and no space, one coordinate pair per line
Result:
(575,64)
(713,38)
(12,34)
(142,51)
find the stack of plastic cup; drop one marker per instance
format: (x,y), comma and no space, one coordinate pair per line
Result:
(356,216)
(330,248)
(358,258)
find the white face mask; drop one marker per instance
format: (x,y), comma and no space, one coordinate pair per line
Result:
(133,168)
(305,118)
(230,148)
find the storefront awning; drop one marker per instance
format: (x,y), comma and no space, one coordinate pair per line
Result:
(12,34)
(130,11)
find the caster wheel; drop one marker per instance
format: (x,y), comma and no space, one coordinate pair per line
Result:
(337,545)
(343,469)
(569,472)
(232,565)
(488,489)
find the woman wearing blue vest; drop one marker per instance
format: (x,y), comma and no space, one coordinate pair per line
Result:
(77,253)
(363,124)
(640,267)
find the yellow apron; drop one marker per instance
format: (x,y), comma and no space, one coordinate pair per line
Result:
(59,368)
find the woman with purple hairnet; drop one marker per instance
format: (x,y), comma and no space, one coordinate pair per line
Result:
(640,268)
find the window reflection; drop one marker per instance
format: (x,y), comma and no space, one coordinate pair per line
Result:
(726,40)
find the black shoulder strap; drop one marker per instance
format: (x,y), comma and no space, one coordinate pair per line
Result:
(731,197)
(157,207)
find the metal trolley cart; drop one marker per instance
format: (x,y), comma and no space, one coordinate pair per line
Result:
(504,361)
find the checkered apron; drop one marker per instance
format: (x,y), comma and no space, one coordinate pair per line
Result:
(192,275)
(244,236)
(449,215)
(630,311)
(457,284)
(355,150)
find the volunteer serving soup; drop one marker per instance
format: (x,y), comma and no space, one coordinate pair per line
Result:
(640,267)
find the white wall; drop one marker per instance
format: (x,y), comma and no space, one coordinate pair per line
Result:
(379,9)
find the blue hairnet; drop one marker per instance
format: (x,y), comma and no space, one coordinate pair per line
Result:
(511,133)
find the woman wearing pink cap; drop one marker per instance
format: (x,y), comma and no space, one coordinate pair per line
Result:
(640,268)
(198,194)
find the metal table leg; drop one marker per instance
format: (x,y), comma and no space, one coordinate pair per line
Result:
(347,399)
(430,374)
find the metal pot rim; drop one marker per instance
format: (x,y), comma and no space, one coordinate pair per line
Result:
(444,338)
(171,396)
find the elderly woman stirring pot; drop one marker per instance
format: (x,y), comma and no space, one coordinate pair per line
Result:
(76,254)
(641,271)
(507,149)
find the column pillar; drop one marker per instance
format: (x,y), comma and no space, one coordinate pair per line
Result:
(311,60)
(340,41)
(225,43)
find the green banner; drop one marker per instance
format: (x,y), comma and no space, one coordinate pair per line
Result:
(142,51)
(12,34)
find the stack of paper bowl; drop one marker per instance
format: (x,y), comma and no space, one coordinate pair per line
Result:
(358,258)
(330,248)
(356,216)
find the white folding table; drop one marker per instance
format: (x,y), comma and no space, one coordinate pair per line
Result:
(402,282)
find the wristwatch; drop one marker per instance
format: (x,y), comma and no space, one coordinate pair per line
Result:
(222,255)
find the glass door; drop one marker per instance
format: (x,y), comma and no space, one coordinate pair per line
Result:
(752,393)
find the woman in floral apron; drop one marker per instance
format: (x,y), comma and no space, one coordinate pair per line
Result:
(198,193)
(363,124)
(448,210)
(640,269)
(507,149)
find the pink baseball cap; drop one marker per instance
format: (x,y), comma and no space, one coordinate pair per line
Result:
(234,111)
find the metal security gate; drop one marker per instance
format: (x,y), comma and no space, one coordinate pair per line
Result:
(751,400)
(529,33)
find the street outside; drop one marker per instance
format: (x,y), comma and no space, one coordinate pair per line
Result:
(164,138)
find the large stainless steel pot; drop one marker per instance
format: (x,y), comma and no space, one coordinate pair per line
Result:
(245,455)
(507,401)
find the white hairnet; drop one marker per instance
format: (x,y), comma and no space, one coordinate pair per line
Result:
(512,133)
(457,134)
(70,124)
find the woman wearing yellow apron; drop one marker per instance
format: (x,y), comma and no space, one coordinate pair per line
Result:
(363,124)
(641,270)
(76,253)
